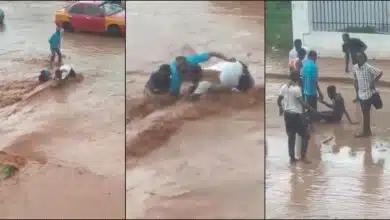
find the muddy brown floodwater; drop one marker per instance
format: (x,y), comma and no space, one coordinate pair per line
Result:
(180,163)
(348,177)
(68,142)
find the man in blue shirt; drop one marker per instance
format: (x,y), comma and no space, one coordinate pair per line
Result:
(310,80)
(181,64)
(55,46)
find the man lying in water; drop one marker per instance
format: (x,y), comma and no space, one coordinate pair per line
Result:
(159,81)
(65,69)
(337,106)
(223,77)
(182,63)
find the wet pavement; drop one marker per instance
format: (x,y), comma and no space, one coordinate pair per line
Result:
(178,164)
(348,177)
(68,140)
(329,67)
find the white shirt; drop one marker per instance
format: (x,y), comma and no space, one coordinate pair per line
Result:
(229,73)
(66,68)
(229,76)
(365,75)
(293,54)
(291,95)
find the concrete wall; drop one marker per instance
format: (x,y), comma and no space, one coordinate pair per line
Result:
(328,44)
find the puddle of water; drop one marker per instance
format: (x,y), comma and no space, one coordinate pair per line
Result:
(347,177)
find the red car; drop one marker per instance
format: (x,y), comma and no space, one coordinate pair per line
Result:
(92,16)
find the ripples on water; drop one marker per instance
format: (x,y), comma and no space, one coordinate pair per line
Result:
(171,174)
(347,179)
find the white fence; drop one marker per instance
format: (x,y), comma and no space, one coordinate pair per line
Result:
(320,25)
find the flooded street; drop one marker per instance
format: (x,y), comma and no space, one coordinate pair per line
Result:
(179,162)
(348,177)
(67,141)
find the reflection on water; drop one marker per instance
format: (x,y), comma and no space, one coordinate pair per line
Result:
(347,178)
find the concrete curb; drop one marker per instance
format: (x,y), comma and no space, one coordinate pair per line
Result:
(333,79)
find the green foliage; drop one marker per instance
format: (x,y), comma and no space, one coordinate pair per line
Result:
(278,31)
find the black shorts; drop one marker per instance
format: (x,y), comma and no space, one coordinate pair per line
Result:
(329,117)
(295,124)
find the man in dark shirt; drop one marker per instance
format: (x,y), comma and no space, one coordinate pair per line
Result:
(337,106)
(159,81)
(351,47)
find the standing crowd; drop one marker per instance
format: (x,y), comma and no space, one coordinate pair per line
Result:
(298,98)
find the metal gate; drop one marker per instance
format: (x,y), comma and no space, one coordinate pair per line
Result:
(351,16)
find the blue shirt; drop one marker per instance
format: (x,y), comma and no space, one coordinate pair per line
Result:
(309,77)
(55,40)
(176,78)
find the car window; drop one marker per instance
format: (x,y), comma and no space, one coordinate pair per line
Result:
(92,10)
(110,8)
(77,9)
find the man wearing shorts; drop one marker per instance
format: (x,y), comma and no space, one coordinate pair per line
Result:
(293,106)
(337,106)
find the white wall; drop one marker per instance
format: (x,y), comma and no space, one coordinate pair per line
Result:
(328,44)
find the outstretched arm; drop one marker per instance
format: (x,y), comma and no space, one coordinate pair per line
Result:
(349,117)
(346,57)
(326,104)
(221,56)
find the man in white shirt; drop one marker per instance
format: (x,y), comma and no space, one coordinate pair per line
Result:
(366,76)
(66,70)
(293,54)
(224,76)
(293,115)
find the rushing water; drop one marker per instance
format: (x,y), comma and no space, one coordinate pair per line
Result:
(184,169)
(70,138)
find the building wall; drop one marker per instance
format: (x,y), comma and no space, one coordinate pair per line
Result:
(328,44)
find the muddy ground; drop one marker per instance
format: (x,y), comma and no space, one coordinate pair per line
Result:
(67,142)
(183,161)
(348,177)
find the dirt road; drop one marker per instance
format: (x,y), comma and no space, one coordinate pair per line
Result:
(180,163)
(68,142)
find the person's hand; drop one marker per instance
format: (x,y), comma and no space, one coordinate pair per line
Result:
(320,97)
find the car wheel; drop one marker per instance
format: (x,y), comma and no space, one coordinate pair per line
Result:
(67,27)
(114,30)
